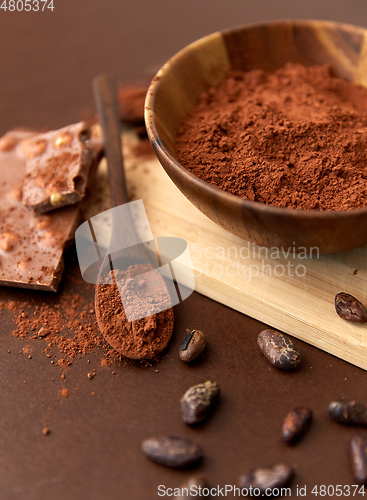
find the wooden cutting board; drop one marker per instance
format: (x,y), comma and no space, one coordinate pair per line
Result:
(292,294)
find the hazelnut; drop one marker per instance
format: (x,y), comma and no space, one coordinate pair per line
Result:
(62,140)
(56,199)
(39,182)
(42,222)
(52,238)
(16,193)
(23,264)
(8,241)
(33,147)
(7,143)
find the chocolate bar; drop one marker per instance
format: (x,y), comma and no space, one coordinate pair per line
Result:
(57,168)
(31,246)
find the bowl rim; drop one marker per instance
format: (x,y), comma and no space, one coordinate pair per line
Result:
(162,151)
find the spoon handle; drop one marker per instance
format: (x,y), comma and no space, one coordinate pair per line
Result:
(105,93)
(123,227)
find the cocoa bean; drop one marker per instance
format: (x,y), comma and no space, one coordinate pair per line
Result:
(198,401)
(350,308)
(296,424)
(172,451)
(278,349)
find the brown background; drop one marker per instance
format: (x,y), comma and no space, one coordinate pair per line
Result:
(93,451)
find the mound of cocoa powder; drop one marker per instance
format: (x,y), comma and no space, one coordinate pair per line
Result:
(143,338)
(295,138)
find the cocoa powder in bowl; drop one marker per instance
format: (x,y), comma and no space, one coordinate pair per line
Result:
(293,138)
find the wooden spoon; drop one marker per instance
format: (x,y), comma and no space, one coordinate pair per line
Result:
(146,337)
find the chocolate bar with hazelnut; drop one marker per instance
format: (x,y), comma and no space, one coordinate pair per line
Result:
(57,168)
(31,246)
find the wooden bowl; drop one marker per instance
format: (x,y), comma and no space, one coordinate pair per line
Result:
(176,89)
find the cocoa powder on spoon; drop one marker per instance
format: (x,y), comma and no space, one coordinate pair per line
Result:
(143,338)
(118,295)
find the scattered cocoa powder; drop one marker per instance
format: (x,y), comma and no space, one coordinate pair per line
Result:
(143,338)
(293,138)
(67,327)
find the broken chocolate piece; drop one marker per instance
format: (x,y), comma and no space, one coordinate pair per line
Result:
(57,168)
(31,246)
